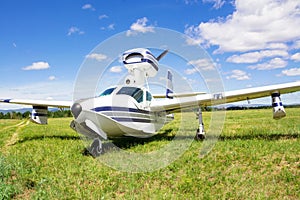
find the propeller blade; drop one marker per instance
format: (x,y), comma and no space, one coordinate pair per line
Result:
(162,55)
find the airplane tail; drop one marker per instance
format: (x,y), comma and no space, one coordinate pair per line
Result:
(169,85)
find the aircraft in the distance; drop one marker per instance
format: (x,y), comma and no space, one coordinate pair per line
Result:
(130,110)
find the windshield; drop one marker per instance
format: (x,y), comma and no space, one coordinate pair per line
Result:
(107,92)
(136,93)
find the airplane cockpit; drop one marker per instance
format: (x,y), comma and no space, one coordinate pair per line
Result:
(141,95)
(107,92)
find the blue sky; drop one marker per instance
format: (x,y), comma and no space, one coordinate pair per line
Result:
(43,43)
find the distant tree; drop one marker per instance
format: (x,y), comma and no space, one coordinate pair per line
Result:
(26,114)
(50,114)
(19,115)
(7,115)
(67,113)
(12,115)
(206,108)
(15,115)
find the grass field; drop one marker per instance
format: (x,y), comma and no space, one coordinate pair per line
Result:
(256,157)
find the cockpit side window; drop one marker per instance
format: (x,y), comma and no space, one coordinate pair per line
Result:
(138,96)
(148,96)
(107,92)
(136,93)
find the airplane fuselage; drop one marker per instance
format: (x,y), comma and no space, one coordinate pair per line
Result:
(119,111)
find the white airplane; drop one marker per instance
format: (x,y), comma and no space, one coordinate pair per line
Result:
(130,109)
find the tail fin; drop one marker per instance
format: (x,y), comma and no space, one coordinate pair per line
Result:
(169,84)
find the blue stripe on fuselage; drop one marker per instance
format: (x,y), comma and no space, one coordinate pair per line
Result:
(126,119)
(125,109)
(117,108)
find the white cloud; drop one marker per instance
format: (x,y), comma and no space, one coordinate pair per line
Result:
(296,45)
(97,56)
(116,69)
(190,71)
(74,29)
(58,90)
(238,75)
(254,57)
(88,7)
(37,66)
(291,72)
(275,63)
(296,57)
(199,65)
(109,27)
(217,3)
(254,25)
(102,16)
(51,78)
(190,1)
(194,35)
(140,26)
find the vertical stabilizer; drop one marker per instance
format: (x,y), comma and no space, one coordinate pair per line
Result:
(169,84)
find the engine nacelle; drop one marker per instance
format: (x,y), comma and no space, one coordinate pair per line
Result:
(140,59)
(39,114)
(278,109)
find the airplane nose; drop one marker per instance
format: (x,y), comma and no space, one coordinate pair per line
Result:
(76,110)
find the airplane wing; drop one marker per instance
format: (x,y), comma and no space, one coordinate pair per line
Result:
(176,104)
(46,103)
(39,112)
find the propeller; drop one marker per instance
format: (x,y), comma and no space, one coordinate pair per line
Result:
(162,54)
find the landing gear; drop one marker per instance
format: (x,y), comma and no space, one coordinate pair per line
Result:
(200,133)
(96,147)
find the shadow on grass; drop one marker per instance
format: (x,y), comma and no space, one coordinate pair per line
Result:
(129,142)
(126,142)
(42,137)
(268,137)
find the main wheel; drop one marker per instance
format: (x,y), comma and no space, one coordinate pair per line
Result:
(199,136)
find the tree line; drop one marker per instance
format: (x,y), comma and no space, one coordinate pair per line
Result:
(67,113)
(19,115)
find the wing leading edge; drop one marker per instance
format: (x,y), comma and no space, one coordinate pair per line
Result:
(47,103)
(176,104)
(39,112)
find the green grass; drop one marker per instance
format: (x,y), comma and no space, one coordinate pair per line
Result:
(256,157)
